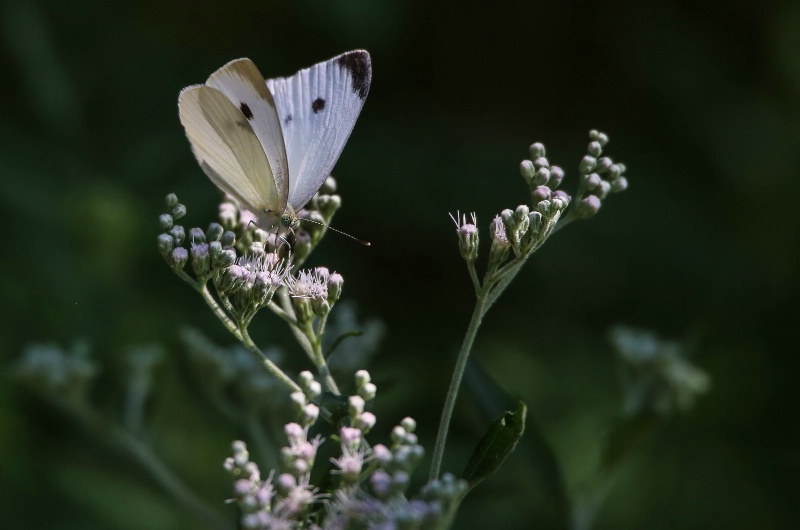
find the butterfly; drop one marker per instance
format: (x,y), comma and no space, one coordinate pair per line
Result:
(271,144)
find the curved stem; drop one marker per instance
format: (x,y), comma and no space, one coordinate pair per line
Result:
(167,479)
(455,383)
(309,341)
(268,364)
(120,437)
(229,324)
(318,358)
(473,274)
(509,273)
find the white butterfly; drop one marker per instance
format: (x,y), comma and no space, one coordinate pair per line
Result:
(271,144)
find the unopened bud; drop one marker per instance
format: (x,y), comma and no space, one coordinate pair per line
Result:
(537,150)
(178,211)
(165,221)
(556,176)
(196,235)
(603,164)
(171,200)
(165,244)
(592,181)
(527,170)
(214,232)
(541,177)
(201,260)
(178,233)
(328,187)
(335,283)
(587,164)
(179,257)
(228,239)
(588,207)
(619,184)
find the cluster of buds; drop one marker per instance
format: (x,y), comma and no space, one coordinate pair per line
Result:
(314,292)
(210,251)
(276,502)
(370,490)
(386,504)
(396,462)
(250,283)
(655,373)
(524,229)
(600,175)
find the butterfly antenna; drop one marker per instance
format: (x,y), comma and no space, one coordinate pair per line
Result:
(365,243)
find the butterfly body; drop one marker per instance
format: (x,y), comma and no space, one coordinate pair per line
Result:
(271,144)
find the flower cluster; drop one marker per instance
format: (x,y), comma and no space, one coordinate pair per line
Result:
(250,283)
(247,265)
(369,483)
(655,373)
(314,292)
(516,234)
(210,250)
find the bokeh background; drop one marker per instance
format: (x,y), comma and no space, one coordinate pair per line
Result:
(701,101)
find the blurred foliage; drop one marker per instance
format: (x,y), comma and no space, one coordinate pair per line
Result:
(700,99)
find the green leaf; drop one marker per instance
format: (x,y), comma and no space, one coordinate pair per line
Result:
(549,505)
(340,339)
(336,407)
(499,441)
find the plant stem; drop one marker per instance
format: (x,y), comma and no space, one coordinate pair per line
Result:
(168,481)
(455,382)
(229,324)
(269,365)
(244,337)
(118,437)
(495,282)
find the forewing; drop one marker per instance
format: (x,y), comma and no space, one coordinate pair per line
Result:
(226,147)
(244,86)
(318,108)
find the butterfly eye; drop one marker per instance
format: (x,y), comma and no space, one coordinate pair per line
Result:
(286,220)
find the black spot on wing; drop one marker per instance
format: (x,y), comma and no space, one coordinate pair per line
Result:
(318,105)
(288,120)
(360,68)
(246,111)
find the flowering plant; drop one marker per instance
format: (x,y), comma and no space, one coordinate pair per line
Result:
(239,269)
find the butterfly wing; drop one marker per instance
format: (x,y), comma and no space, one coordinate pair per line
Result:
(227,148)
(244,86)
(318,108)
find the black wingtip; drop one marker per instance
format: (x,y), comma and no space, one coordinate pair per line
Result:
(359,64)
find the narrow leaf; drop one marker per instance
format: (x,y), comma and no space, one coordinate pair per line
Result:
(499,441)
(341,338)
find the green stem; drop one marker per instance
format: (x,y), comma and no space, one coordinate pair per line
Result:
(318,358)
(268,364)
(508,274)
(455,383)
(495,282)
(476,283)
(244,337)
(229,324)
(167,479)
(120,437)
(309,341)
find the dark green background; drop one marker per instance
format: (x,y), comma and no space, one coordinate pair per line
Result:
(700,99)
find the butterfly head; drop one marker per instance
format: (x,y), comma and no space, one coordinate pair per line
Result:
(289,221)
